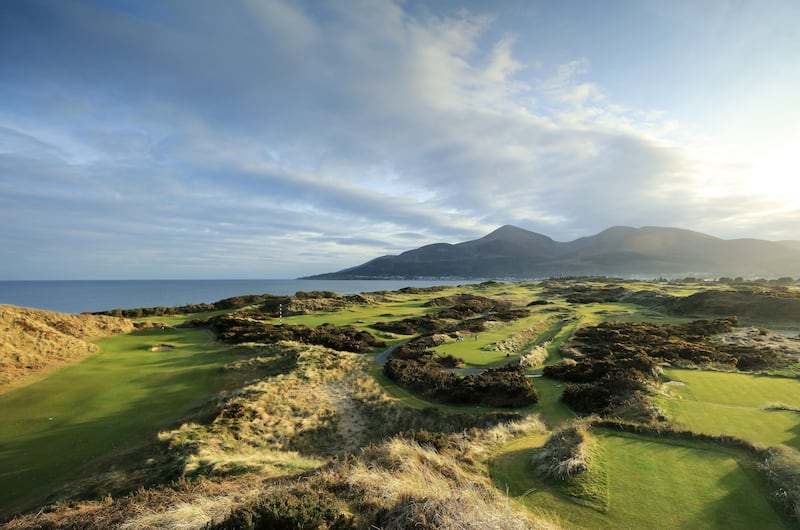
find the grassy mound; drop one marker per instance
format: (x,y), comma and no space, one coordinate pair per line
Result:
(782,466)
(35,339)
(747,306)
(565,454)
(572,456)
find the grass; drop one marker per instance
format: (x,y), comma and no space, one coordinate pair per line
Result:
(575,462)
(108,404)
(402,306)
(552,410)
(328,405)
(735,404)
(651,484)
(173,320)
(480,352)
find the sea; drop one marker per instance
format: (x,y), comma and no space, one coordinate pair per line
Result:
(86,296)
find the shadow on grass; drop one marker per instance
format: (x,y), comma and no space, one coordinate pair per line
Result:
(734,510)
(57,429)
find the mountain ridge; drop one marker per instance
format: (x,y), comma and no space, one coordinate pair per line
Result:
(516,253)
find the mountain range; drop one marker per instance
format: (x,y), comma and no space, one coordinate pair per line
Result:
(515,253)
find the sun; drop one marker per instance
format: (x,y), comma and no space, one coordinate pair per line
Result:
(775,174)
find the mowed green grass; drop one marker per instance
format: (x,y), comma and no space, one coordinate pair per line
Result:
(552,410)
(471,348)
(109,403)
(653,483)
(733,403)
(363,316)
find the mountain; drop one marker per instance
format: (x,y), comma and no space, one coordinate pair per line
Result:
(512,252)
(793,244)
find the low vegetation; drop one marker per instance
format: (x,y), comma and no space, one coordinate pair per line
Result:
(611,366)
(782,467)
(33,340)
(565,454)
(496,387)
(287,421)
(238,330)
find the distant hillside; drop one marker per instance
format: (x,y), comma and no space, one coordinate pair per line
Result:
(31,339)
(792,244)
(512,252)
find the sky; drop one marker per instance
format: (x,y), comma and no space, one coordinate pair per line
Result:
(276,139)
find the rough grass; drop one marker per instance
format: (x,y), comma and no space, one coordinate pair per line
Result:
(576,461)
(247,454)
(565,454)
(517,341)
(33,340)
(265,426)
(782,467)
(496,344)
(421,488)
(396,306)
(534,356)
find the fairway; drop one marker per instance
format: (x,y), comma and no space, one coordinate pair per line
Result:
(733,403)
(106,405)
(653,483)
(399,307)
(477,349)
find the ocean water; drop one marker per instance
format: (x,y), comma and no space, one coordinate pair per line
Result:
(79,296)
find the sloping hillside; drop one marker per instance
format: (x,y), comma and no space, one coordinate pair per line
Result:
(511,252)
(31,339)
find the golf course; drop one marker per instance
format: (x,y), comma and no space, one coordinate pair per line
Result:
(247,413)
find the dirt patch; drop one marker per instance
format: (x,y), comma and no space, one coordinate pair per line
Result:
(162,347)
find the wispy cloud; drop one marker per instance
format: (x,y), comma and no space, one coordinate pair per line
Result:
(285,138)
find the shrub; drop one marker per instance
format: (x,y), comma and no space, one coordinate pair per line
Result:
(235,330)
(499,387)
(287,510)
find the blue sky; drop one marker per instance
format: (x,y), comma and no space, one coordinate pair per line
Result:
(274,139)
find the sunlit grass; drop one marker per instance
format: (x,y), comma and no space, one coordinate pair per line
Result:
(734,403)
(653,483)
(478,349)
(103,406)
(174,320)
(362,316)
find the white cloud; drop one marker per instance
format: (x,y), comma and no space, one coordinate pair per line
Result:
(266,129)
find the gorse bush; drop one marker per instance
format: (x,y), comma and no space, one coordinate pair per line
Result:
(499,387)
(613,364)
(289,510)
(235,330)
